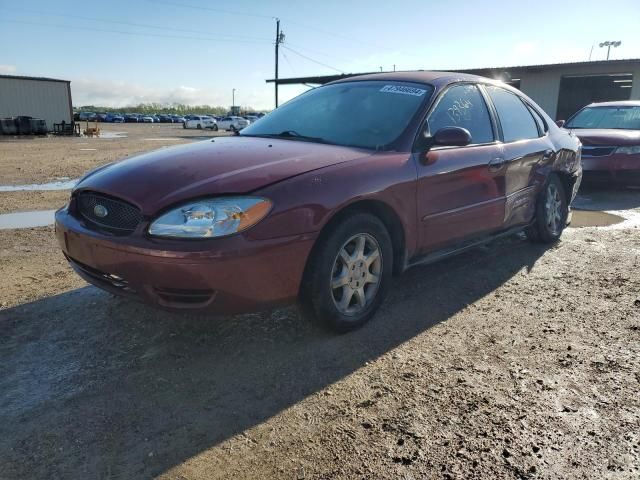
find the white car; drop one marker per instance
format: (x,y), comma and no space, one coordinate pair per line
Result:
(232,123)
(201,122)
(147,119)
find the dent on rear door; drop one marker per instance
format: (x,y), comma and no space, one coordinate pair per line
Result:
(522,179)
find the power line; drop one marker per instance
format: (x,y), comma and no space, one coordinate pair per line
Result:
(333,34)
(312,60)
(288,62)
(121,32)
(143,25)
(217,10)
(257,15)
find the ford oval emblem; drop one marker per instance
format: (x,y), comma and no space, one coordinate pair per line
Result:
(100,211)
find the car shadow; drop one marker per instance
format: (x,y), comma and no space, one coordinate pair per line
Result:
(100,387)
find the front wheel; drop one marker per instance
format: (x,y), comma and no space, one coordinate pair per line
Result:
(215,128)
(199,127)
(184,125)
(552,211)
(349,275)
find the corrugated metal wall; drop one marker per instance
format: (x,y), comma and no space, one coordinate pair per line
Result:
(543,86)
(36,98)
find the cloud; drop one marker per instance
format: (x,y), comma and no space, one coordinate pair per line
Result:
(7,69)
(109,93)
(121,94)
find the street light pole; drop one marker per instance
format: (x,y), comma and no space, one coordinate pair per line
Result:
(610,44)
(233,98)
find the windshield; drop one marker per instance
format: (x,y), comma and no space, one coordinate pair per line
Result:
(367,114)
(627,118)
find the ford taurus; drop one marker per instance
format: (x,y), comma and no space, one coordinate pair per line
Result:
(321,201)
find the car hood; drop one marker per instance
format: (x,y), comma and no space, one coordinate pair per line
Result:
(606,136)
(226,165)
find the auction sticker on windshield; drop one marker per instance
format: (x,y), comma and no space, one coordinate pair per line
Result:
(417,92)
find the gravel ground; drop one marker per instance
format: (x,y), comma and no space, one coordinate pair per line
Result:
(510,361)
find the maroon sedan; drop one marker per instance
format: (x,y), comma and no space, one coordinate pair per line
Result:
(610,135)
(325,198)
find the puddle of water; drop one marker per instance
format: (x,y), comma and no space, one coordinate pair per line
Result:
(39,218)
(60,185)
(590,218)
(104,134)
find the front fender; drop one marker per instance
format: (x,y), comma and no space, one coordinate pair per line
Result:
(306,203)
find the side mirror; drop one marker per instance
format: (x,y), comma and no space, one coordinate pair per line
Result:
(452,137)
(560,123)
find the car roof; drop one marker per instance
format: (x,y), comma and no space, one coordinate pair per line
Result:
(619,103)
(421,76)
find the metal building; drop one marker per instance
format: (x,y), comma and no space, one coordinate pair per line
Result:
(560,89)
(46,98)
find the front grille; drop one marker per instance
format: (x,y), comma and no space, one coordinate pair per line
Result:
(106,213)
(596,151)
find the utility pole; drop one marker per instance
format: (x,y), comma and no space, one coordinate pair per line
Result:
(233,98)
(279,40)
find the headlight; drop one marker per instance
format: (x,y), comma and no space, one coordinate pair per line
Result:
(629,150)
(209,218)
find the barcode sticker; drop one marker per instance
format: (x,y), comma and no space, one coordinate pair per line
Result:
(416,92)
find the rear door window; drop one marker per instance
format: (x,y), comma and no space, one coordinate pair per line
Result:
(515,118)
(463,106)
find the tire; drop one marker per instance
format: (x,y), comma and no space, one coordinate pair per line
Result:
(552,211)
(184,124)
(199,127)
(233,128)
(345,265)
(215,128)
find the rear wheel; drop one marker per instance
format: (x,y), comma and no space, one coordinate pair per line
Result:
(199,127)
(552,211)
(350,273)
(215,128)
(184,124)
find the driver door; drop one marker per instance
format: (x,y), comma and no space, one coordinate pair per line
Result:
(461,190)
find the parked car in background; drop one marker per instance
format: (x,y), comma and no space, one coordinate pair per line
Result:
(87,116)
(147,119)
(322,202)
(610,136)
(165,118)
(101,117)
(251,118)
(178,119)
(114,118)
(232,123)
(131,118)
(200,122)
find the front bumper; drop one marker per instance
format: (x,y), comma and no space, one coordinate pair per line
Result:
(615,168)
(225,275)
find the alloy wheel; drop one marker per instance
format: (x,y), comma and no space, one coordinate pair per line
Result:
(356,274)
(553,209)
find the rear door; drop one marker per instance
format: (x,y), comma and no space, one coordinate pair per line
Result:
(526,148)
(460,189)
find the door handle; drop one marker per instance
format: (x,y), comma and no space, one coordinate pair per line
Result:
(496,164)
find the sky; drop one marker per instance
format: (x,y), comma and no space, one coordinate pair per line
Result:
(124,52)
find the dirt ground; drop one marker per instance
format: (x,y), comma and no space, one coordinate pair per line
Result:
(510,361)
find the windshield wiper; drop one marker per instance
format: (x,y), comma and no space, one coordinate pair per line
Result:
(291,134)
